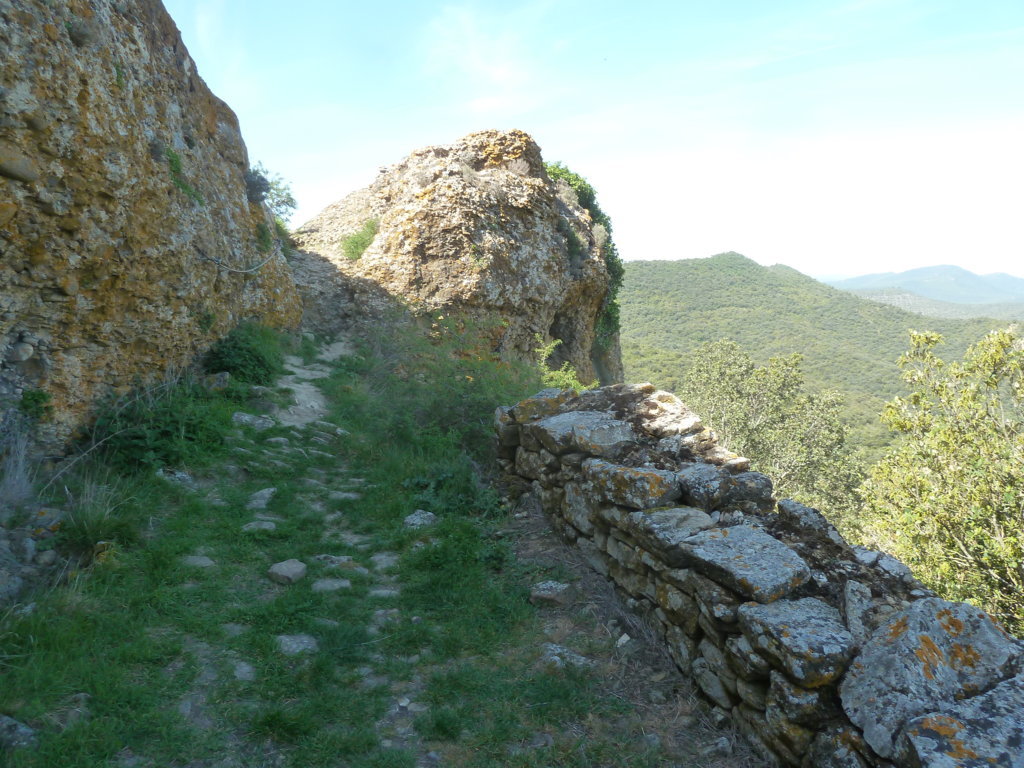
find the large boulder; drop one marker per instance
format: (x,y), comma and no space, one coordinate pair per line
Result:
(127,237)
(479,228)
(921,661)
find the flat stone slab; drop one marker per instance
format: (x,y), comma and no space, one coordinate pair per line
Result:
(260,499)
(591,432)
(15,735)
(986,730)
(806,637)
(244,671)
(559,656)
(287,571)
(420,519)
(344,496)
(293,645)
(630,486)
(746,560)
(551,593)
(260,525)
(331,585)
(384,560)
(198,561)
(249,420)
(922,660)
(544,403)
(663,530)
(384,592)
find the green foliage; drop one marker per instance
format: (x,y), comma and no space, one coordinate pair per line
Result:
(251,353)
(264,240)
(947,499)
(356,244)
(35,403)
(95,515)
(172,424)
(849,344)
(563,377)
(284,237)
(794,436)
(174,163)
(262,186)
(444,382)
(608,322)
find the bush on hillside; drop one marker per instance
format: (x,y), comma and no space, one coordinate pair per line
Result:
(251,353)
(947,499)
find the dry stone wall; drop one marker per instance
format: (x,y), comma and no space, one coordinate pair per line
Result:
(826,655)
(127,239)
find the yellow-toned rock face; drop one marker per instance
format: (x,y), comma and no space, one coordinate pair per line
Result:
(123,206)
(477,227)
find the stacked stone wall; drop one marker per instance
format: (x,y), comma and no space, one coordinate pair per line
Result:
(825,655)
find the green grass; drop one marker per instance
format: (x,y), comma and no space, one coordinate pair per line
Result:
(137,629)
(356,244)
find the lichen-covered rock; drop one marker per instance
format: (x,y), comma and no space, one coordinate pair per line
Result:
(986,730)
(478,226)
(922,660)
(630,486)
(589,432)
(746,560)
(808,521)
(800,705)
(547,402)
(704,485)
(664,415)
(805,637)
(749,491)
(127,242)
(837,747)
(662,530)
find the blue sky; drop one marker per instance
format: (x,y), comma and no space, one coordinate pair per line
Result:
(837,137)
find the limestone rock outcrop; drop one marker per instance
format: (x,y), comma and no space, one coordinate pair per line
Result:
(476,227)
(127,239)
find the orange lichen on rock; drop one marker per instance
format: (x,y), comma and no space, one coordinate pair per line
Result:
(930,655)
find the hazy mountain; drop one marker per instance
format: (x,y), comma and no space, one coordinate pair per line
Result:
(943,283)
(849,343)
(911,302)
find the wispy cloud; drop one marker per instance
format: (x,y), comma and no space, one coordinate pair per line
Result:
(486,57)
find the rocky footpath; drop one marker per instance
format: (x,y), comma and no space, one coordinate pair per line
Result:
(128,241)
(478,227)
(825,655)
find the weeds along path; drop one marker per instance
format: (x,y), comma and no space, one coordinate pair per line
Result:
(344,590)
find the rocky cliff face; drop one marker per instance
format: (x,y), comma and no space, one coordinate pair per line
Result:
(476,227)
(127,242)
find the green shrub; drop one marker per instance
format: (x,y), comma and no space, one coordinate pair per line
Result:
(172,424)
(264,240)
(946,498)
(251,353)
(35,403)
(564,377)
(356,244)
(608,322)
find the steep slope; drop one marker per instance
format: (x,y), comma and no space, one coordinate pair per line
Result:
(851,344)
(942,283)
(127,242)
(912,302)
(476,227)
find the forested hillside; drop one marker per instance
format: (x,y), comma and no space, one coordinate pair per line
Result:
(669,308)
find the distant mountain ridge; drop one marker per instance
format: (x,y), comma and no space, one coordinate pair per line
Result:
(912,302)
(942,283)
(669,308)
